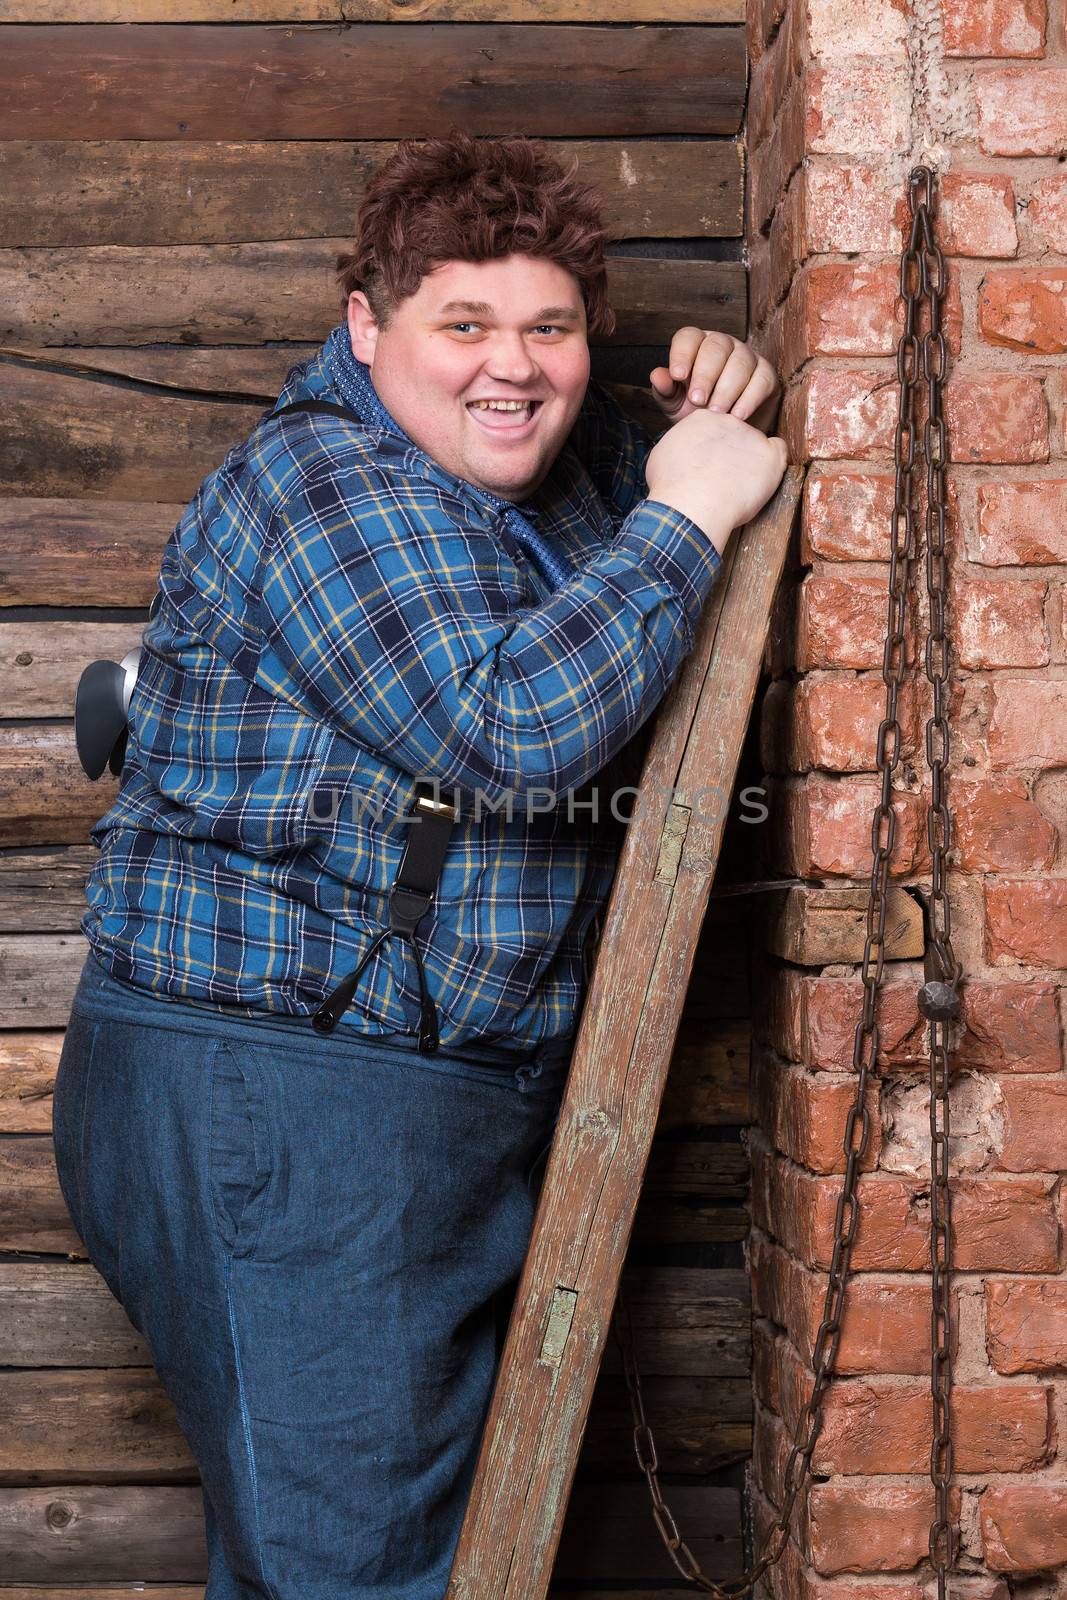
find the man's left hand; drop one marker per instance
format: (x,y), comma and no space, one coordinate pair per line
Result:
(716,372)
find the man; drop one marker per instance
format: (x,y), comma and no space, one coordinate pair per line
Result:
(301,1152)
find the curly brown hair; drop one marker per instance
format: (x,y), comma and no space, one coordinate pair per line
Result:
(459,198)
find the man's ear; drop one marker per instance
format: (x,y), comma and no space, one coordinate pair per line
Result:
(362,327)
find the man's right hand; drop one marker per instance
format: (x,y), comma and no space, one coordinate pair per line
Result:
(716,469)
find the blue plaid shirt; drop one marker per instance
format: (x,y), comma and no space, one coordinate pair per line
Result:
(337,616)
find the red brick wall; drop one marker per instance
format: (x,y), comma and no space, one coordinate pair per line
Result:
(845,96)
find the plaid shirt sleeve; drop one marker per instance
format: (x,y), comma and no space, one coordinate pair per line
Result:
(370,617)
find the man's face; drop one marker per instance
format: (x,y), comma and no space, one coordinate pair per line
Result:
(522,335)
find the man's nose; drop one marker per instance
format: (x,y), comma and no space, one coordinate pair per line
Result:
(510,360)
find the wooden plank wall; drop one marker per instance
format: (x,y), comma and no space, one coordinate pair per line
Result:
(172,197)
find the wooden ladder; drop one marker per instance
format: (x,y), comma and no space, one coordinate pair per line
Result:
(563,1305)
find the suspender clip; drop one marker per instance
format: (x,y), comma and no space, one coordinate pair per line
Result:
(409,900)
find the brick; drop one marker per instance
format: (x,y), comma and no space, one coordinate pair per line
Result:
(1026,1325)
(832,1009)
(1046,214)
(834,413)
(847,515)
(977,215)
(1023,308)
(786,1376)
(854,308)
(998,623)
(996,417)
(823,825)
(970,709)
(850,207)
(766,1364)
(863,1589)
(1028,725)
(821,319)
(998,1223)
(1024,1526)
(1004,1028)
(833,720)
(771,165)
(805,1114)
(1005,1224)
(799,1211)
(773,261)
(995,28)
(841,620)
(876,1426)
(770,1449)
(771,78)
(866,1588)
(781,1290)
(1026,921)
(1022,524)
(998,828)
(777,1011)
(789,1578)
(1022,111)
(1034,1137)
(885,1325)
(866,28)
(1009,1027)
(857,107)
(860,1526)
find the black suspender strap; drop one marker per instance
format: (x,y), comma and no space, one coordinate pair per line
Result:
(327,407)
(429,828)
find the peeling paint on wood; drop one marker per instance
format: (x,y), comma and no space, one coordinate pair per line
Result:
(560,1317)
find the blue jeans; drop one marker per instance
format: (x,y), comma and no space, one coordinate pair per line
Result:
(319,1238)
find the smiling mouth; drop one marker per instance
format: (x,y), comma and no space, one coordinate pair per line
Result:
(506,422)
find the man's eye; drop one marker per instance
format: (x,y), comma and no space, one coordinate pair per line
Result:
(553,325)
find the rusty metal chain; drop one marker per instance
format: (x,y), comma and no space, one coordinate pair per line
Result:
(922,277)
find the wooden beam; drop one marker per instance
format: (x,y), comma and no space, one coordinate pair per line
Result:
(28,1062)
(59,552)
(144,11)
(563,1305)
(248,293)
(79,1534)
(43,893)
(38,976)
(119,1425)
(67,192)
(181,1591)
(45,798)
(41,662)
(70,434)
(688,1321)
(368,82)
(72,1532)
